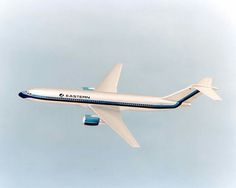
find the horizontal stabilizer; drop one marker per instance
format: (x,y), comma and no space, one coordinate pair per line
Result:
(210,92)
(204,86)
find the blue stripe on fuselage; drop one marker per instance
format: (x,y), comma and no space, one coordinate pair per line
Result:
(112,103)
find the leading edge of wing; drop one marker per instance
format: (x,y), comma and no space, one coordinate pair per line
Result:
(112,117)
(110,82)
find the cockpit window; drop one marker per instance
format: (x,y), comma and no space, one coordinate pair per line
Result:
(28,93)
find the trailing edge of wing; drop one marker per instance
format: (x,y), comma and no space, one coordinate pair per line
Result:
(112,117)
(110,82)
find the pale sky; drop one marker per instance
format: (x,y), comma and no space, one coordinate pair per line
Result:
(164,46)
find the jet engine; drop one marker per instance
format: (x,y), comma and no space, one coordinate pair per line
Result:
(88,88)
(91,120)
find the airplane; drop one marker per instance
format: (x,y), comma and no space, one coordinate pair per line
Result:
(107,104)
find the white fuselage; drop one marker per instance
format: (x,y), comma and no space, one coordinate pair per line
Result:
(85,98)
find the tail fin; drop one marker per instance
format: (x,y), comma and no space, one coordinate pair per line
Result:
(186,95)
(205,87)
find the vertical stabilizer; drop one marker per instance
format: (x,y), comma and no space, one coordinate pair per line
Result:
(204,86)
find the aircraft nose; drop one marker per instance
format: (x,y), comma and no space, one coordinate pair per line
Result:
(22,95)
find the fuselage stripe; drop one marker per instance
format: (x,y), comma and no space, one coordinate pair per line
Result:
(113,103)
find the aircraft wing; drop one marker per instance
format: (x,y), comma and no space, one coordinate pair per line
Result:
(110,82)
(112,117)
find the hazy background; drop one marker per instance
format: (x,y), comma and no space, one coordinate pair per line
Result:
(164,45)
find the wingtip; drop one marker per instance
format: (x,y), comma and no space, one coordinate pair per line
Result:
(135,145)
(119,64)
(218,98)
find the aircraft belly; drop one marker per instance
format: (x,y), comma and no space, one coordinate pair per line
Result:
(59,102)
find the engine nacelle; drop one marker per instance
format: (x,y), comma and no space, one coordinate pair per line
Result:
(91,120)
(88,88)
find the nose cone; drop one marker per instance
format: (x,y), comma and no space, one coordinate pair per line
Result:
(23,95)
